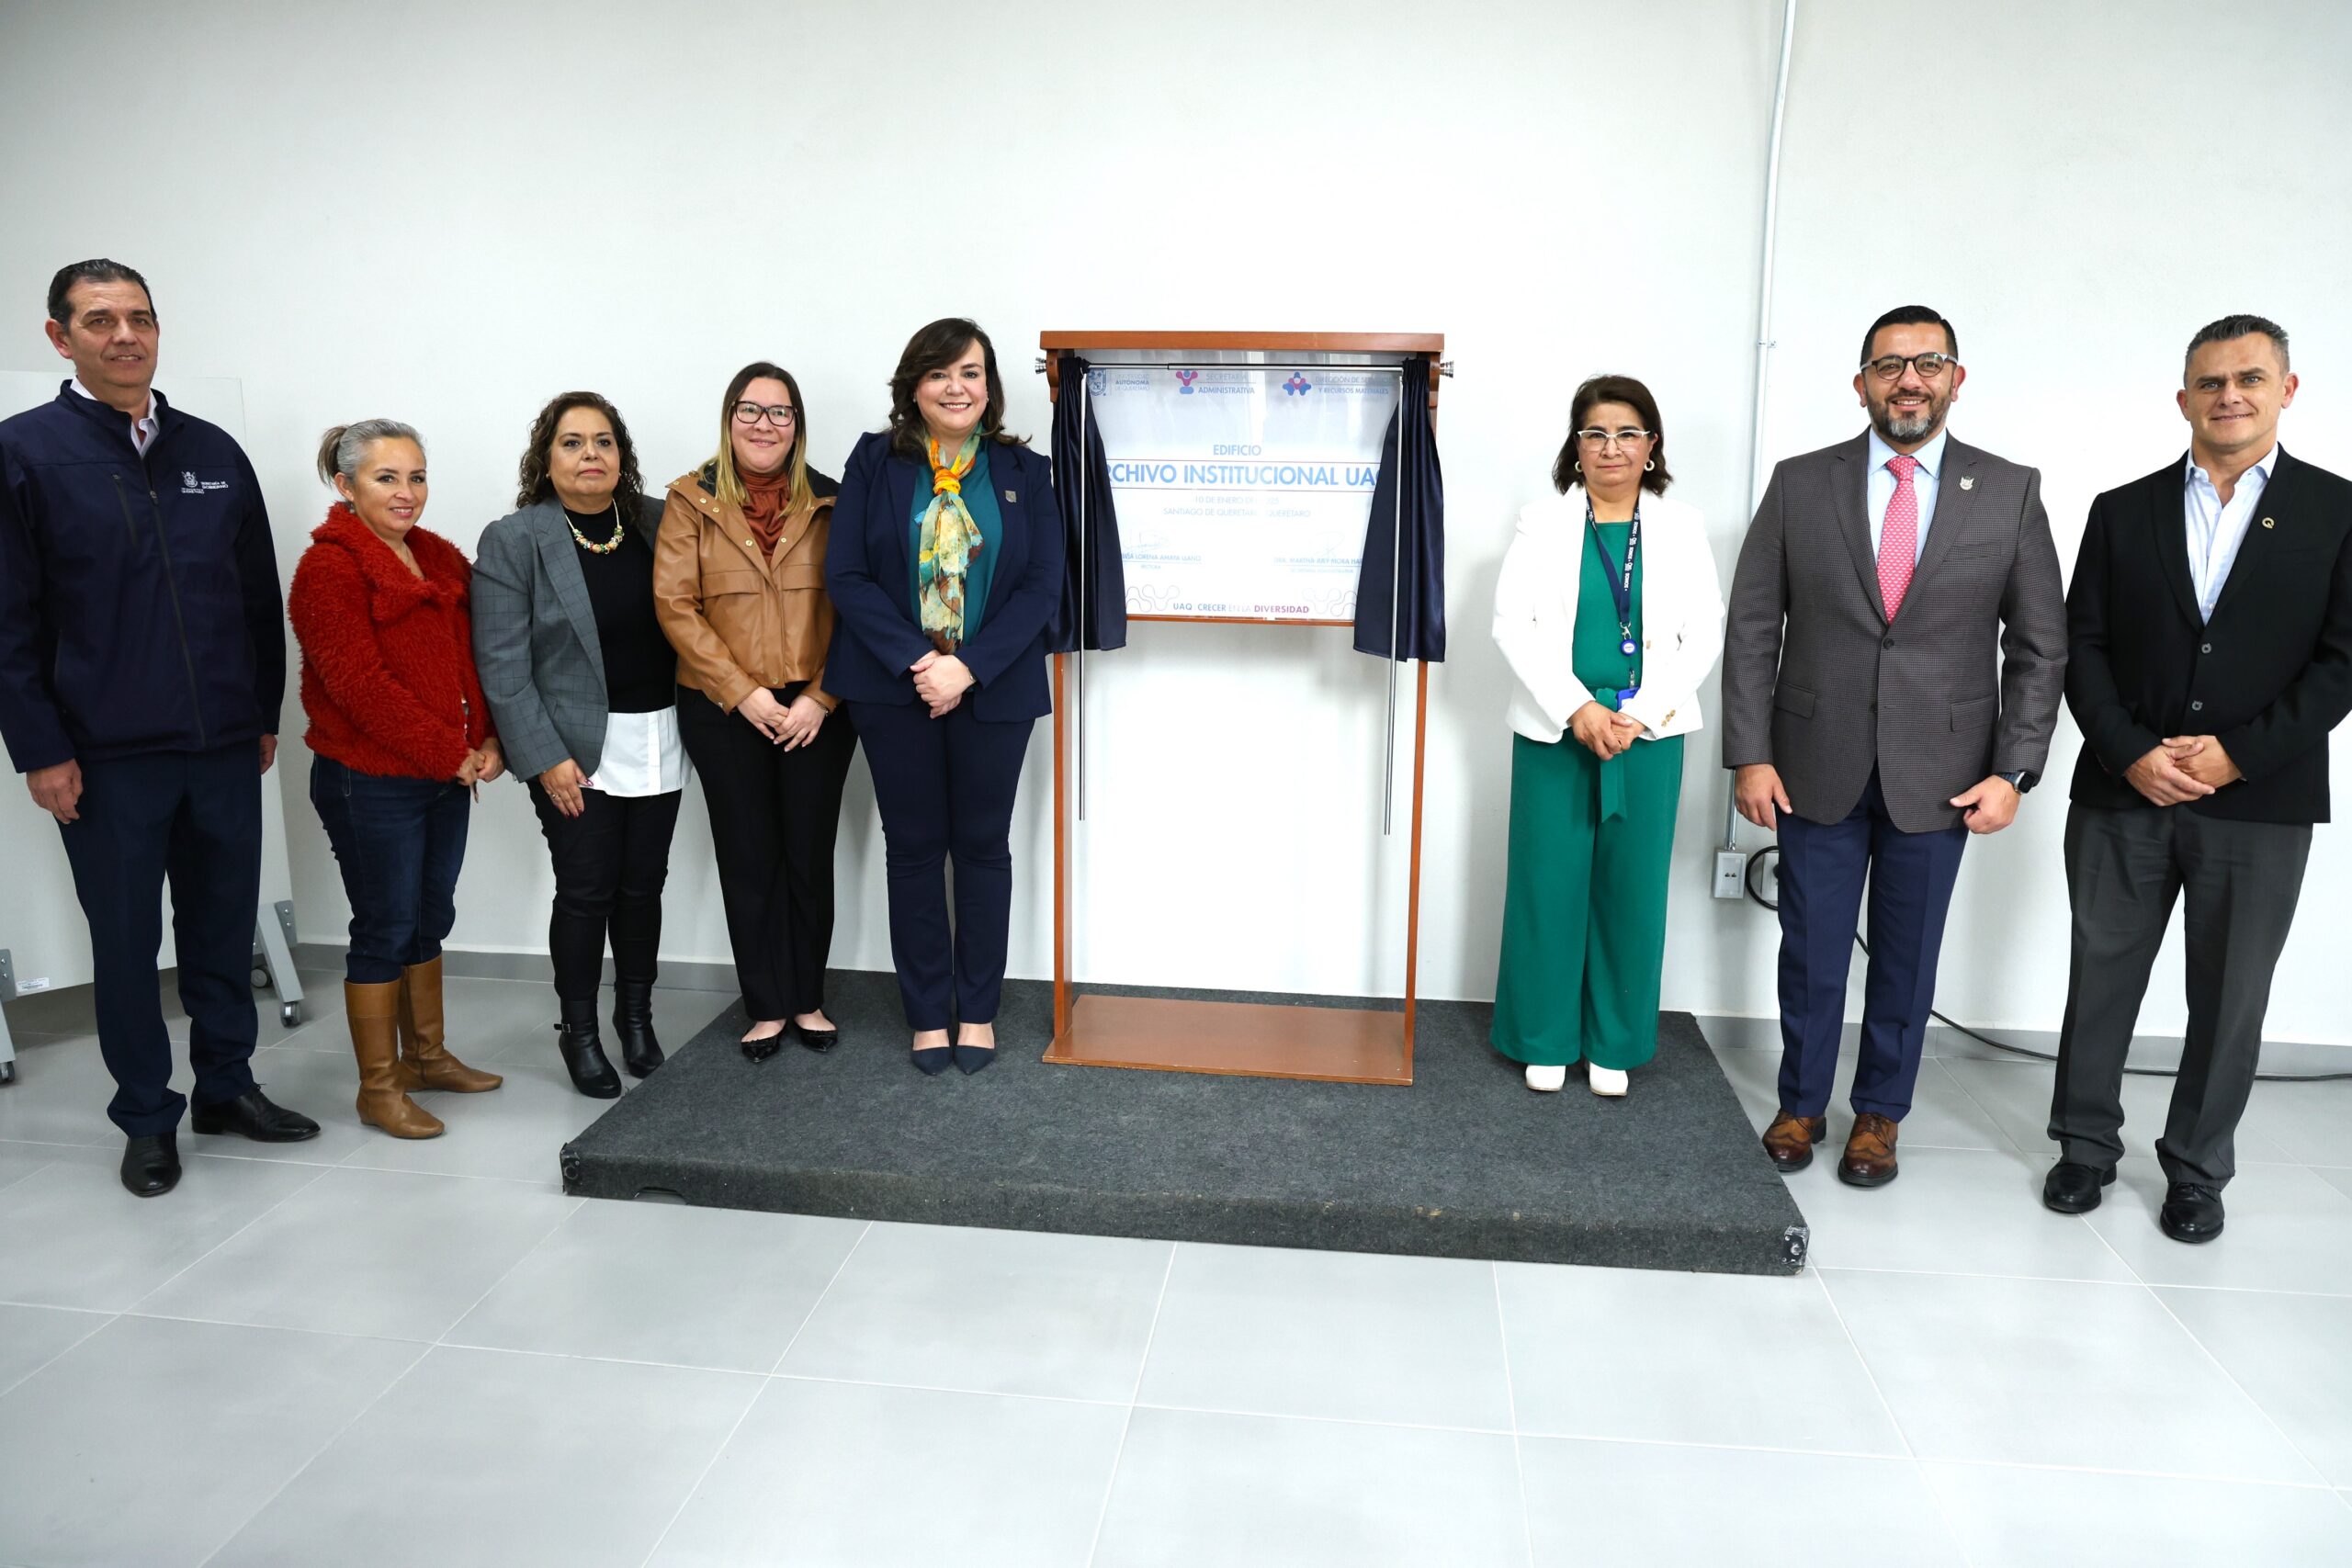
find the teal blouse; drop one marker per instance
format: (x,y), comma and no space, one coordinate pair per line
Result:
(980,500)
(1595,653)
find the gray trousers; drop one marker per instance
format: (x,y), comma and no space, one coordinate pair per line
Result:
(2124,871)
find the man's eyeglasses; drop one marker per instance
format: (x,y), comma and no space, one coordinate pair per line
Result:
(781,415)
(1889,367)
(1600,440)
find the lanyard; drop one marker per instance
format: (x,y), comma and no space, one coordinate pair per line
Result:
(1620,579)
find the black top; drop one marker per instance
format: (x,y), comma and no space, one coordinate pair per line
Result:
(640,670)
(2269,677)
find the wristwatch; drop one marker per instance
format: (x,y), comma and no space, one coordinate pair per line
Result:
(2019,781)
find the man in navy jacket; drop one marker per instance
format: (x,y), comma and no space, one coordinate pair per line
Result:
(143,661)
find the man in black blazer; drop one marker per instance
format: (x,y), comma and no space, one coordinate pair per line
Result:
(2210,626)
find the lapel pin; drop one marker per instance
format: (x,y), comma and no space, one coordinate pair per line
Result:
(2269,523)
(1009,495)
(1968,482)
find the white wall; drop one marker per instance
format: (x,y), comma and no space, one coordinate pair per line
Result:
(446,212)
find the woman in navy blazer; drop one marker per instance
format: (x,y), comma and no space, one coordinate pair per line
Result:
(945,568)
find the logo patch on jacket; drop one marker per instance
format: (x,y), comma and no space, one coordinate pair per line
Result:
(191,485)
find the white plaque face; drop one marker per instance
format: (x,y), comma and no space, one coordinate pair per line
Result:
(1243,492)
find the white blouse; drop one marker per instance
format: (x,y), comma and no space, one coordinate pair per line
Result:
(642,755)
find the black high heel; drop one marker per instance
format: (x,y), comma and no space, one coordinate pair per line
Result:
(819,1040)
(932,1060)
(974,1059)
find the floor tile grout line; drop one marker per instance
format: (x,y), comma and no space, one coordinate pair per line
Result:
(1855,1344)
(719,1452)
(304,1468)
(1989,1113)
(319,1175)
(76,1343)
(1511,1404)
(1977,1464)
(1127,1422)
(2244,1392)
(442,1338)
(1906,1460)
(776,1366)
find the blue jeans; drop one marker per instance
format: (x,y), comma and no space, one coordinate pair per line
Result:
(400,842)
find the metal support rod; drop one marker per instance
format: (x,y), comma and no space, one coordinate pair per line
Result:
(1764,322)
(1396,587)
(1078,665)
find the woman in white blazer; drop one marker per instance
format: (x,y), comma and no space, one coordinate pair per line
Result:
(1611,615)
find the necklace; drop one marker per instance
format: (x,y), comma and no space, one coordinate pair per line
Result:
(620,531)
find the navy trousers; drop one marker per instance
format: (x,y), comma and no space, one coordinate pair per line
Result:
(400,843)
(1822,871)
(192,819)
(945,787)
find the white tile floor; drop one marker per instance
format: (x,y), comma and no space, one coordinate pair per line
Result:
(356,1352)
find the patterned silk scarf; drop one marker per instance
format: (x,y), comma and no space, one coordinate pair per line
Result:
(945,550)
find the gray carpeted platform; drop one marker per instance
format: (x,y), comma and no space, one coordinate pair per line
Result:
(1465,1163)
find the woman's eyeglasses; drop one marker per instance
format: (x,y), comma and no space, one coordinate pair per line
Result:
(1600,440)
(781,415)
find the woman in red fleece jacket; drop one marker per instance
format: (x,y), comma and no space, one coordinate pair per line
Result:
(403,735)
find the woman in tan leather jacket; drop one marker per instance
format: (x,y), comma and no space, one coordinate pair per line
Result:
(739,581)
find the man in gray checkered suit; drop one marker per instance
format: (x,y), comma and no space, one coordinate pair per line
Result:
(1893,667)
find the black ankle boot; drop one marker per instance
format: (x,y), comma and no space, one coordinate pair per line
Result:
(584,1053)
(633,1024)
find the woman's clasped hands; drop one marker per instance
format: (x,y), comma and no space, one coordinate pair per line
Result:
(1603,733)
(940,681)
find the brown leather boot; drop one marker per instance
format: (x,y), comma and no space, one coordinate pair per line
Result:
(425,1058)
(373,1012)
(1870,1153)
(1790,1140)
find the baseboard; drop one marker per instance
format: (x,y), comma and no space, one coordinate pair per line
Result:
(477,964)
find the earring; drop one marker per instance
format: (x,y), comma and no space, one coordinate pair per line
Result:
(1577,463)
(1650,467)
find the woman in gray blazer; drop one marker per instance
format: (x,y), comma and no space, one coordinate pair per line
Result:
(582,684)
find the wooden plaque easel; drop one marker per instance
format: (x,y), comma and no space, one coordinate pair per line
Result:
(1171,1034)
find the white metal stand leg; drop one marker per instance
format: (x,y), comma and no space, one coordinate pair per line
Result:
(274,959)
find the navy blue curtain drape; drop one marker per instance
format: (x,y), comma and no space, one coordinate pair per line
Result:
(1414,572)
(1093,612)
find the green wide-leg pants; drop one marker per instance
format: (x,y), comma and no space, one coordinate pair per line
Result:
(1584,912)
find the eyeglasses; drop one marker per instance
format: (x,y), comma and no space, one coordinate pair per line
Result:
(781,415)
(1600,440)
(1889,367)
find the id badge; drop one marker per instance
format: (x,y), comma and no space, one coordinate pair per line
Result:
(1626,694)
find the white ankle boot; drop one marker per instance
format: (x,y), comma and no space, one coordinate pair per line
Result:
(1608,1081)
(1546,1080)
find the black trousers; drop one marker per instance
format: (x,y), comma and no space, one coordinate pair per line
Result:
(2124,872)
(945,787)
(774,817)
(610,863)
(193,819)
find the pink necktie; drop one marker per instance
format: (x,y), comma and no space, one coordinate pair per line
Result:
(1898,536)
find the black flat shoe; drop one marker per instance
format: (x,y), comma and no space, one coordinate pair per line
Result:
(583,1053)
(151,1166)
(253,1114)
(819,1040)
(2073,1189)
(932,1060)
(2192,1212)
(766,1045)
(633,1026)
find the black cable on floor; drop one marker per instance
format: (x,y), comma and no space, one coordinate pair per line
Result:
(1748,879)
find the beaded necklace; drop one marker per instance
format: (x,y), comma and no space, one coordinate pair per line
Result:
(620,531)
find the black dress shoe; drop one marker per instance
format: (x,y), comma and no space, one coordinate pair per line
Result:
(2192,1212)
(151,1166)
(815,1039)
(766,1045)
(975,1058)
(253,1114)
(2073,1189)
(932,1060)
(583,1053)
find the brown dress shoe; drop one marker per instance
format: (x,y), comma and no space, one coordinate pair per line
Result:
(1870,1153)
(424,1060)
(1790,1140)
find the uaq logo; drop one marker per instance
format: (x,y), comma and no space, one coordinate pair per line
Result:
(187,478)
(1098,382)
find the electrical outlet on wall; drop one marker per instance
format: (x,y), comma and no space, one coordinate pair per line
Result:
(1731,874)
